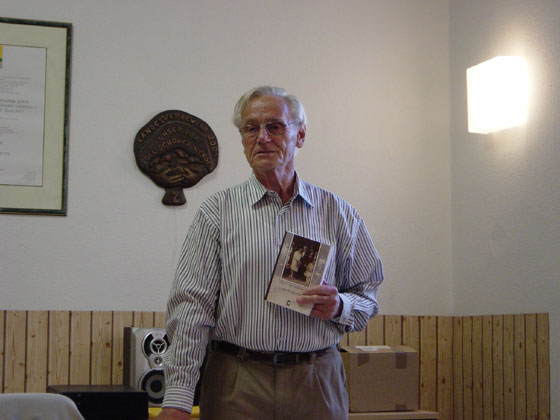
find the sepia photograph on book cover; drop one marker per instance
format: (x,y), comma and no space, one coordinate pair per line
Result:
(300,264)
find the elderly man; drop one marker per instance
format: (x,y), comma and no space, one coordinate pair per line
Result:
(266,362)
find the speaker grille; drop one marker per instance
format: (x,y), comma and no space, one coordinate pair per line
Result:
(153,382)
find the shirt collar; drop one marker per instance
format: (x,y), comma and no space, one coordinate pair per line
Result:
(304,191)
(257,190)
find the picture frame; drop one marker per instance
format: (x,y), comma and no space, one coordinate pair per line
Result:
(35,63)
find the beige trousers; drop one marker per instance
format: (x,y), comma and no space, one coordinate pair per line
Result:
(252,390)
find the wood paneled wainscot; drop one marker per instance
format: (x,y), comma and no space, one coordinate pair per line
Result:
(470,367)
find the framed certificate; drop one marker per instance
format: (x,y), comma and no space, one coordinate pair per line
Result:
(34,104)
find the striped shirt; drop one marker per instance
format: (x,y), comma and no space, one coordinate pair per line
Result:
(226,264)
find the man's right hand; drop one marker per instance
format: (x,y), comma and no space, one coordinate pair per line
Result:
(173,414)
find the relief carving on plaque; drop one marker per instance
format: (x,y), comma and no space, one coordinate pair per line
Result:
(176,150)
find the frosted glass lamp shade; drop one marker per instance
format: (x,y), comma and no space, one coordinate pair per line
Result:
(497,94)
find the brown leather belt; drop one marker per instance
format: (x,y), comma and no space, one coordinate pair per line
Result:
(273,358)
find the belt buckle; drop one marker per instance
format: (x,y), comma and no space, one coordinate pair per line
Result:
(276,359)
(283,359)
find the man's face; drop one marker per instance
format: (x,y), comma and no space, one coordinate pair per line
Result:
(269,152)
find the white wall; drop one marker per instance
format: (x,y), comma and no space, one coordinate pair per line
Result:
(372,74)
(505,188)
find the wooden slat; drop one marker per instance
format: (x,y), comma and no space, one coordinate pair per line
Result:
(14,372)
(531,365)
(101,348)
(543,359)
(159,320)
(80,347)
(120,320)
(509,378)
(411,338)
(2,318)
(375,331)
(144,319)
(487,383)
(478,397)
(428,364)
(458,368)
(59,348)
(467,369)
(519,367)
(411,331)
(393,330)
(37,351)
(498,366)
(445,367)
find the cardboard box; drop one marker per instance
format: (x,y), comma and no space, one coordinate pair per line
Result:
(381,378)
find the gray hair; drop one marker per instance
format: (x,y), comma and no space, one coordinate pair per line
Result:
(294,104)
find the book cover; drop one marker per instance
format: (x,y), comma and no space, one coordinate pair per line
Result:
(301,264)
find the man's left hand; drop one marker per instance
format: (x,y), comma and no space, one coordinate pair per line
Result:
(325,300)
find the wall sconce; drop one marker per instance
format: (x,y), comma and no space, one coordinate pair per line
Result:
(497,92)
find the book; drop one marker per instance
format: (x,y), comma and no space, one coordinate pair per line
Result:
(300,264)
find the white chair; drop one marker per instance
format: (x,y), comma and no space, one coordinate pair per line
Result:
(38,406)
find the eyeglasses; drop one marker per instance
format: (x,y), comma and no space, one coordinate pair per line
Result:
(273,128)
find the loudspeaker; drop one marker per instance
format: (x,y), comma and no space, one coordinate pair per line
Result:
(144,349)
